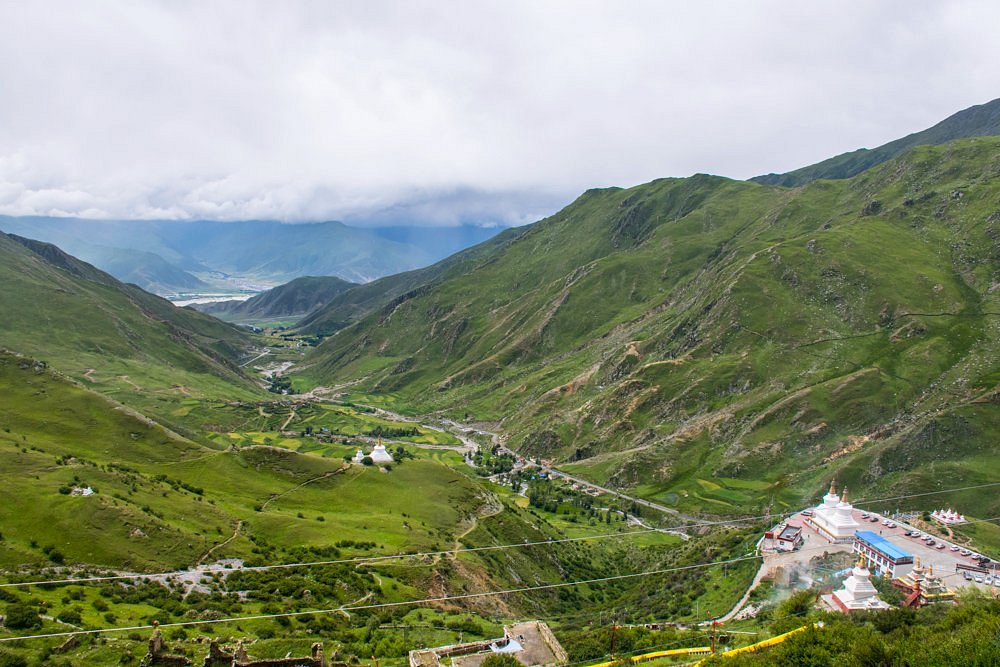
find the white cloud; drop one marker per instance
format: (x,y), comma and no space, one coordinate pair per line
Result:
(337,110)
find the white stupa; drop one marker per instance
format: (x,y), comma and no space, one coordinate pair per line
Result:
(380,456)
(858,593)
(834,517)
(948,517)
(359,456)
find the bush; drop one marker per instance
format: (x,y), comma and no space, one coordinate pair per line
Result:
(71,616)
(8,659)
(501,660)
(22,616)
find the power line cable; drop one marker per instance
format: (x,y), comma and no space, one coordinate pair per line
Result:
(376,559)
(427,554)
(383,605)
(403,603)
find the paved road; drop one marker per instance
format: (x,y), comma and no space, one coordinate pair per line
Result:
(555,472)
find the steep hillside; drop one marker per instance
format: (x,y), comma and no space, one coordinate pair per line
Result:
(978,121)
(295,299)
(115,337)
(354,304)
(132,253)
(721,344)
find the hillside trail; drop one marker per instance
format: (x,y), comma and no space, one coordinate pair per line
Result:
(364,598)
(239,527)
(209,455)
(291,415)
(763,570)
(325,475)
(490,507)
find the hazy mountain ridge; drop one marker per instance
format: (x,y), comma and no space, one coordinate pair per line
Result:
(297,298)
(163,256)
(692,328)
(976,121)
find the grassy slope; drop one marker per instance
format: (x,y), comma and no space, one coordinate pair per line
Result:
(703,327)
(115,337)
(354,304)
(976,121)
(54,433)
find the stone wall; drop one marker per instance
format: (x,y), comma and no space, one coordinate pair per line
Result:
(218,657)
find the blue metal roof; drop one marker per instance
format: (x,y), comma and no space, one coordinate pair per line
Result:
(881,544)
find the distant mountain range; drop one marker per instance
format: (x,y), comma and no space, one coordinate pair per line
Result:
(168,257)
(295,300)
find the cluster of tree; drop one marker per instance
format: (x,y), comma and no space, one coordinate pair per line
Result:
(493,462)
(280,384)
(965,634)
(392,432)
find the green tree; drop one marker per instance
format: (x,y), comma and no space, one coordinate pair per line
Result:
(501,660)
(8,659)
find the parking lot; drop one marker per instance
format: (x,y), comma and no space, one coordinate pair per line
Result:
(940,555)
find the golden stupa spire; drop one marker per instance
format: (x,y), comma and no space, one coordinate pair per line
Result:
(833,488)
(843,495)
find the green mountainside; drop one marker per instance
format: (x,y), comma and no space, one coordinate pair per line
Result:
(976,121)
(363,299)
(721,344)
(114,337)
(294,300)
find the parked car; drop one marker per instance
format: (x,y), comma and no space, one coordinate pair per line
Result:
(941,546)
(807,512)
(966,552)
(989,580)
(979,578)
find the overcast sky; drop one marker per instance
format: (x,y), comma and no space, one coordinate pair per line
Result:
(436,112)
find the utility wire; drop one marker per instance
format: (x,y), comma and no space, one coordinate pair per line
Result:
(427,554)
(445,598)
(375,559)
(404,603)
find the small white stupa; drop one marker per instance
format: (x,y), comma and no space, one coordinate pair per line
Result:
(359,456)
(380,456)
(858,593)
(948,517)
